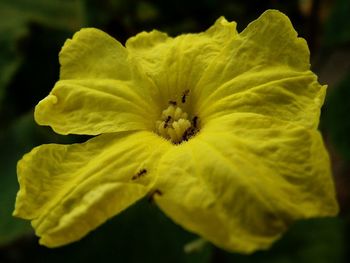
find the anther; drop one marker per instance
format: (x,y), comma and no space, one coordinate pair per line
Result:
(174,125)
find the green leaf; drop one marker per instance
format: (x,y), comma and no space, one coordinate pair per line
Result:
(11,30)
(14,142)
(336,117)
(337,29)
(146,11)
(142,233)
(58,14)
(315,240)
(15,17)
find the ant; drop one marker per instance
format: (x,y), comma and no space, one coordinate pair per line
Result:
(142,172)
(166,122)
(195,121)
(184,95)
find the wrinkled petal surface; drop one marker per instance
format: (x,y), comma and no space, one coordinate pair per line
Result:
(68,190)
(282,94)
(96,106)
(91,54)
(176,64)
(256,165)
(244,178)
(99,90)
(265,69)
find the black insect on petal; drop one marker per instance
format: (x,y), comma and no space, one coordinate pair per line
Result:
(184,95)
(188,133)
(195,121)
(166,122)
(141,173)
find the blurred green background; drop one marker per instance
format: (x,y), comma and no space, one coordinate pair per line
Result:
(31,35)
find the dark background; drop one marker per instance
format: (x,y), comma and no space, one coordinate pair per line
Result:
(31,35)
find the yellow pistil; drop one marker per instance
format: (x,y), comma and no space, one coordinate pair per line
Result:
(174,125)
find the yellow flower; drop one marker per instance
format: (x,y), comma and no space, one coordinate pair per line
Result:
(219,128)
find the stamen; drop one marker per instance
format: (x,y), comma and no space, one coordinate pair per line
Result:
(175,126)
(178,113)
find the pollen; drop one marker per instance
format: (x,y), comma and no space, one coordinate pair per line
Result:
(175,125)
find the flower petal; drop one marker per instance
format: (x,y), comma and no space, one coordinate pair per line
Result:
(68,190)
(266,64)
(95,106)
(244,178)
(177,64)
(91,53)
(278,93)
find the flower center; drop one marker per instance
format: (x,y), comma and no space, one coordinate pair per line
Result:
(174,124)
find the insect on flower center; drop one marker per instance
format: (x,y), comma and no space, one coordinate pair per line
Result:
(175,124)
